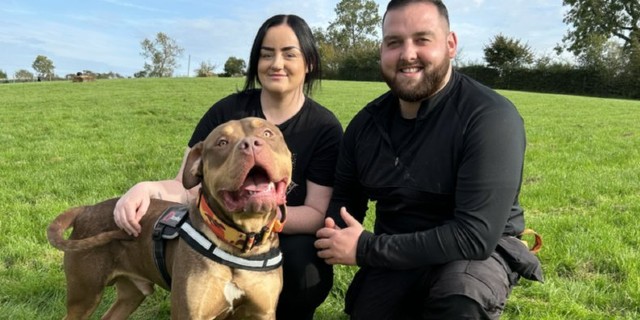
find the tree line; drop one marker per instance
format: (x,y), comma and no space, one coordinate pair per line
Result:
(161,59)
(604,37)
(45,70)
(606,47)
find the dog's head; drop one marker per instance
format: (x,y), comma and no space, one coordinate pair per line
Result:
(244,166)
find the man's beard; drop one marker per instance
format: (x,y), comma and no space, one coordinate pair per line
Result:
(430,84)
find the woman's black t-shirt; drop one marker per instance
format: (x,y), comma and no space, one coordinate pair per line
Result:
(313,135)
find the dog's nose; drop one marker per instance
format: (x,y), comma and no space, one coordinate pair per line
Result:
(250,144)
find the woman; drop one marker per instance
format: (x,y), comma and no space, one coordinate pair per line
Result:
(285,63)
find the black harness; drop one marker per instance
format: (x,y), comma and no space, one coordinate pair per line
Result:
(174,222)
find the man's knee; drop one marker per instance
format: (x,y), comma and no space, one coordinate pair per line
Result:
(477,288)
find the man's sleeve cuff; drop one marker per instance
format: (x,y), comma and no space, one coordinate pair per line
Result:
(363,247)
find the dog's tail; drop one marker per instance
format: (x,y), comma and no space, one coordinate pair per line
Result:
(64,221)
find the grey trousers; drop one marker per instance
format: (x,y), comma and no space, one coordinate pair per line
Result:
(466,289)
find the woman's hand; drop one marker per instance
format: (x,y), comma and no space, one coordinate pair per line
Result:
(131,207)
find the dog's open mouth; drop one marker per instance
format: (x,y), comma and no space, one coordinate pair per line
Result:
(257,193)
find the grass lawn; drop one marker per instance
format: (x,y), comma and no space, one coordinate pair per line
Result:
(64,144)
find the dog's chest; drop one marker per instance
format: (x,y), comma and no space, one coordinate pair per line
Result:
(232,292)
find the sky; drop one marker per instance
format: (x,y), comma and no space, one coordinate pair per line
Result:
(104,35)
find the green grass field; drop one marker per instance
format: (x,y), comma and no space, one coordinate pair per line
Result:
(64,144)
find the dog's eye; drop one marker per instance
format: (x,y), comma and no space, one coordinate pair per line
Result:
(267,133)
(222,143)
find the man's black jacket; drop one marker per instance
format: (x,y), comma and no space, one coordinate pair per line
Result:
(448,190)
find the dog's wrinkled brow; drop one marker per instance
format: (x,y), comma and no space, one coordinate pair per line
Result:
(227,130)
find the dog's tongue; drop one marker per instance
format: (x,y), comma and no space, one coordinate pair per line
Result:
(256,194)
(256,182)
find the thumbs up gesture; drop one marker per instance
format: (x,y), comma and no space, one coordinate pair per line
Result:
(338,246)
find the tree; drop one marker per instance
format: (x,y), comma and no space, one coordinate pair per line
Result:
(349,38)
(23,75)
(632,71)
(594,56)
(234,67)
(357,22)
(163,53)
(206,69)
(140,74)
(504,53)
(328,53)
(43,66)
(3,75)
(361,64)
(592,19)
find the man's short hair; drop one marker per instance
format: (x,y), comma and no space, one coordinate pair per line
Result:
(395,4)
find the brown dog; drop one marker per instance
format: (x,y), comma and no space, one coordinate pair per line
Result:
(244,168)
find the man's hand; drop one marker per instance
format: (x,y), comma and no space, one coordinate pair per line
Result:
(338,246)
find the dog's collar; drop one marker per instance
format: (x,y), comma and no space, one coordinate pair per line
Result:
(269,260)
(244,241)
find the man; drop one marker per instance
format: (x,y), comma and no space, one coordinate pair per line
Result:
(442,156)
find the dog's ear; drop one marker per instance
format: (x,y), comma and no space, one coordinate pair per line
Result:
(192,173)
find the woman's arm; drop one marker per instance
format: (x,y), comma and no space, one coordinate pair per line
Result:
(308,218)
(134,203)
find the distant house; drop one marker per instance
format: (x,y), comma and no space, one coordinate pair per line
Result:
(79,77)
